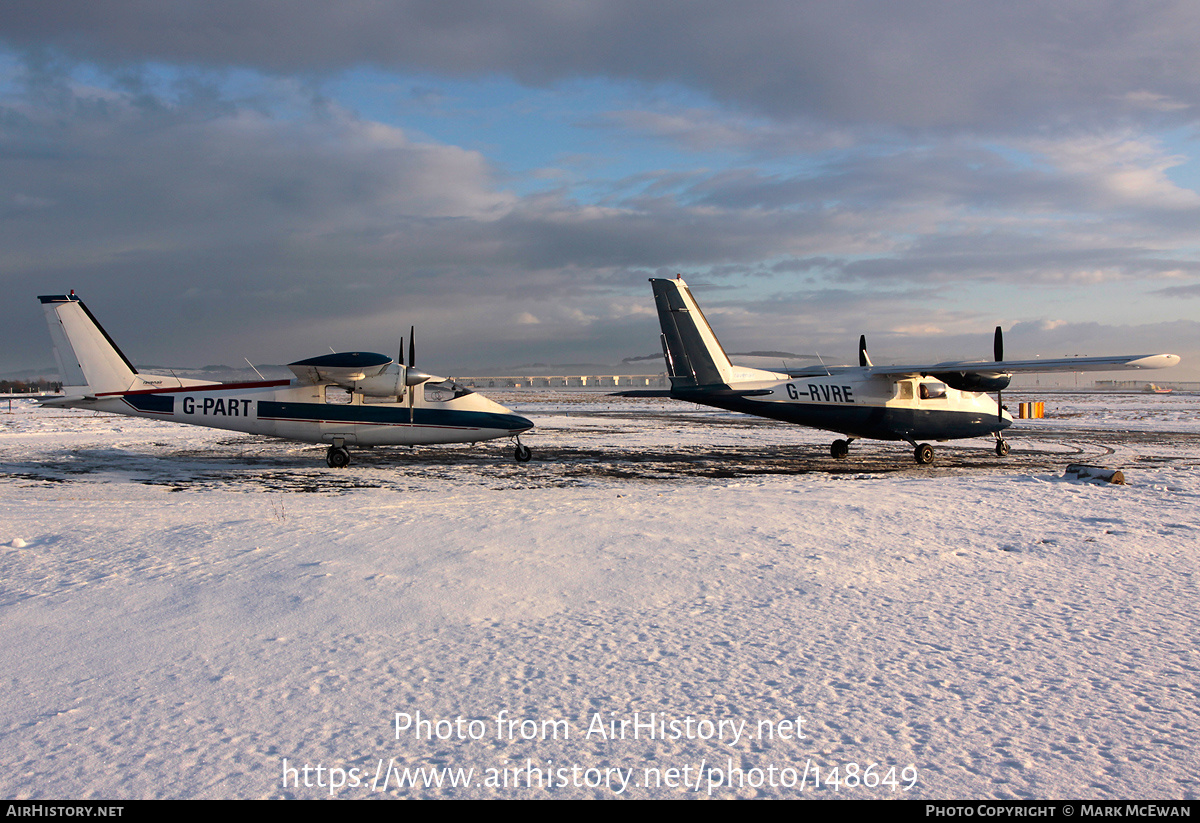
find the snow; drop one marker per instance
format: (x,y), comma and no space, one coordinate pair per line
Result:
(188,613)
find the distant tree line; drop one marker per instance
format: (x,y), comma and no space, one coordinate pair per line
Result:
(21,386)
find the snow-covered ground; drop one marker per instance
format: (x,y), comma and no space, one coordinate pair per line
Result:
(190,613)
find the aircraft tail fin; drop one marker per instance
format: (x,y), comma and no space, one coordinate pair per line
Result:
(693,353)
(89,362)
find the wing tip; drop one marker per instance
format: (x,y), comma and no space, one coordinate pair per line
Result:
(1154,361)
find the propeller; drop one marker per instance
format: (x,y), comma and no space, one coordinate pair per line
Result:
(998,351)
(863,358)
(412,360)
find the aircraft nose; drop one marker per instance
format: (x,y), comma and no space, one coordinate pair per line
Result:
(518,424)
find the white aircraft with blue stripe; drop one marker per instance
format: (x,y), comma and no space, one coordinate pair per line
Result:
(390,403)
(940,401)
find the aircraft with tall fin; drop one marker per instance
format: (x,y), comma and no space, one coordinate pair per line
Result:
(910,403)
(390,403)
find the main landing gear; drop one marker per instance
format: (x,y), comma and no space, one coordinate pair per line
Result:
(338,457)
(923,452)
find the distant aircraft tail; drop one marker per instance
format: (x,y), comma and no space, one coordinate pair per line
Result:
(89,362)
(694,355)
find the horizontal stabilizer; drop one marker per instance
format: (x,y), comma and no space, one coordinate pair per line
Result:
(64,400)
(642,393)
(710,392)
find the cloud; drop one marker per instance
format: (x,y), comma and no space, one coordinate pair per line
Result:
(708,130)
(1116,171)
(972,65)
(1186,292)
(834,167)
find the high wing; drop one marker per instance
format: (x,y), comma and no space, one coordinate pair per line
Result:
(991,368)
(993,375)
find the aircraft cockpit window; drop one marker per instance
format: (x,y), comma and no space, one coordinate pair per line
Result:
(933,391)
(904,390)
(445,390)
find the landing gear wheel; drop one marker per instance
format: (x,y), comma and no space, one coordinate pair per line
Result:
(522,454)
(1001,448)
(839,449)
(924,454)
(338,457)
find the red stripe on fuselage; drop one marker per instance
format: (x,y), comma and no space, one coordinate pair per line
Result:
(265,384)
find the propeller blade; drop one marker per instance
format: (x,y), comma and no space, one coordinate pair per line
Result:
(400,357)
(412,360)
(998,351)
(863,358)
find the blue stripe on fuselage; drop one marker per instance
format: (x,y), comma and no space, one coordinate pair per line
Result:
(151,403)
(380,415)
(875,422)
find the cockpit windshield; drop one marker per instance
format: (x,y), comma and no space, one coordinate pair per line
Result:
(445,390)
(933,391)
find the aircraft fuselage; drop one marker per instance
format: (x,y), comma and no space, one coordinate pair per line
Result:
(861,406)
(300,411)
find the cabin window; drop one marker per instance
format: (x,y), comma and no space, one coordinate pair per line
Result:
(904,390)
(933,391)
(336,395)
(393,399)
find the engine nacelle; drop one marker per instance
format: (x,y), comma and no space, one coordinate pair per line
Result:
(342,368)
(975,381)
(390,382)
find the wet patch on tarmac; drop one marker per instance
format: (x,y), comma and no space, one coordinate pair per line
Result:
(600,448)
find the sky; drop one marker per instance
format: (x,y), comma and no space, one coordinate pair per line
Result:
(224,180)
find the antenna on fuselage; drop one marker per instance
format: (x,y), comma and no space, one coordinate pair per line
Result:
(256,371)
(828,373)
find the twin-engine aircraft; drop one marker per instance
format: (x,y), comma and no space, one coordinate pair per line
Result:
(390,404)
(942,401)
